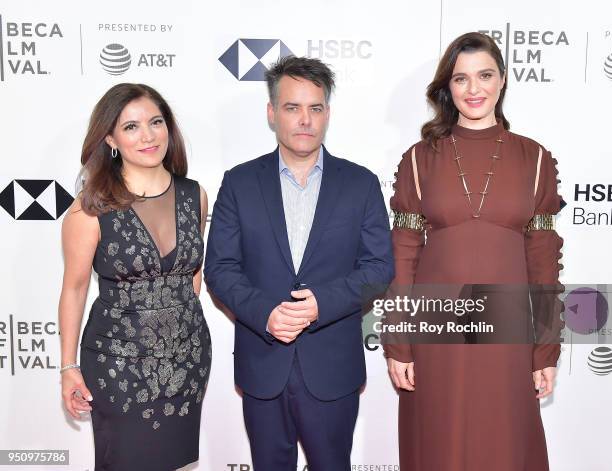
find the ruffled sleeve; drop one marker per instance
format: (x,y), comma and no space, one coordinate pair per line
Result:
(543,252)
(408,237)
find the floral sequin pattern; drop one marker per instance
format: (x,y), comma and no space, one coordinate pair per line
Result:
(148,329)
(189,237)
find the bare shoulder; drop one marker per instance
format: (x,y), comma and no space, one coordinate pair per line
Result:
(80,238)
(203,195)
(203,206)
(77,223)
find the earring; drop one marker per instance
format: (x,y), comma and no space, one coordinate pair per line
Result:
(114,152)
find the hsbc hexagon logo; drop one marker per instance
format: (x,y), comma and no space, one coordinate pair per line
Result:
(249,59)
(35,200)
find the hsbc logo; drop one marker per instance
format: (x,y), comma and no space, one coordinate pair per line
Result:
(249,59)
(35,200)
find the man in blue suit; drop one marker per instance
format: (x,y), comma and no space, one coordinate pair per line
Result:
(296,235)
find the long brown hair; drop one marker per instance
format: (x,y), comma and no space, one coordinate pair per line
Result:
(103,185)
(438,92)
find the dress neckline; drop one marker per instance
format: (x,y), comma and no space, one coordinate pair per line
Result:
(163,192)
(487,133)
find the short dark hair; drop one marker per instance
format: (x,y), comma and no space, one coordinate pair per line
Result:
(313,70)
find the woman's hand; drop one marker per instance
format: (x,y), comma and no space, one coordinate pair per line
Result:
(402,374)
(74,392)
(544,381)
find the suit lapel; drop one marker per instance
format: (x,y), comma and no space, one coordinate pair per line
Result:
(331,185)
(269,181)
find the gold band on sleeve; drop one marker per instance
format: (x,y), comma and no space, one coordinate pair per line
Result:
(541,222)
(408,221)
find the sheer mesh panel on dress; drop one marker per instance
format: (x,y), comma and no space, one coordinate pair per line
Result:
(157,213)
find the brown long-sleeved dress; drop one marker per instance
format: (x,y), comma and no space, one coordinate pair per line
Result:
(474,408)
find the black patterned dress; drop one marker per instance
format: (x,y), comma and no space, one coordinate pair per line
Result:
(146,350)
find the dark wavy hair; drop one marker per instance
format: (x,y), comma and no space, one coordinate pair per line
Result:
(103,185)
(438,92)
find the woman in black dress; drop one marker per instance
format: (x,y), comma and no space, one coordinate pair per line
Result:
(145,351)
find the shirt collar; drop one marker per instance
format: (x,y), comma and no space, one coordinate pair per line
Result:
(282,166)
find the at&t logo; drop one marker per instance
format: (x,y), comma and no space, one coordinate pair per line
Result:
(607,67)
(116,59)
(600,361)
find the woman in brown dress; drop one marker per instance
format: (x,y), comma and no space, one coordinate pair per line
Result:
(474,205)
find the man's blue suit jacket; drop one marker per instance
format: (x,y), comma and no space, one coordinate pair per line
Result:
(249,268)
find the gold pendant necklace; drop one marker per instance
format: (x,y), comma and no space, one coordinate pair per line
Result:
(489,174)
